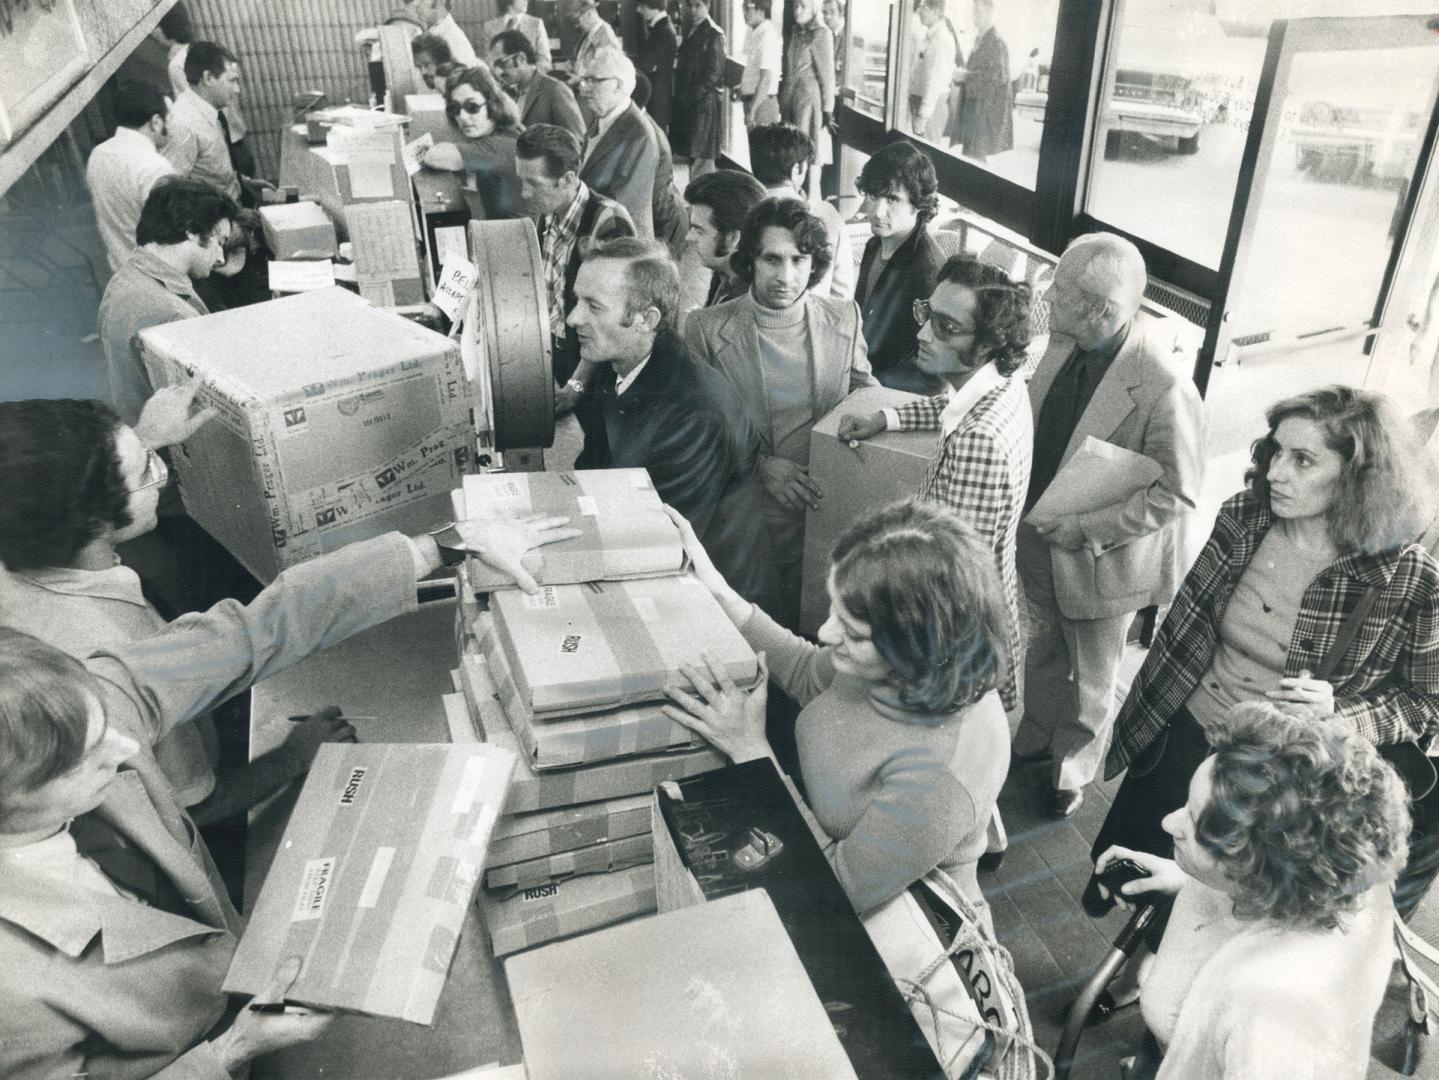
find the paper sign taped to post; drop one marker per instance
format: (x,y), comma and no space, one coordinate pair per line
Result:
(452,288)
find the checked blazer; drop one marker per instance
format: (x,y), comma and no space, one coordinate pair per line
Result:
(982,472)
(1387,682)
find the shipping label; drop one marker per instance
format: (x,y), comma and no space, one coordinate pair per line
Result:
(315,885)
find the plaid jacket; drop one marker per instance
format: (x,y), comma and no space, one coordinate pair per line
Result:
(1387,683)
(982,471)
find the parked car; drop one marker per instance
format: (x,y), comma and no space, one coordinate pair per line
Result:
(1148,104)
(1350,144)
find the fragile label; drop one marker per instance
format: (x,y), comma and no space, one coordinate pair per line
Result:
(314,889)
(541,600)
(588,506)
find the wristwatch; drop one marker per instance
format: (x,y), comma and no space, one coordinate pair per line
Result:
(576,386)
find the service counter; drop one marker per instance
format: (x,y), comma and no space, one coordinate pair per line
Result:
(395,673)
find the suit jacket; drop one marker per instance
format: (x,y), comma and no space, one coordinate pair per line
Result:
(549,101)
(726,337)
(623,164)
(889,326)
(656,59)
(1146,403)
(533,29)
(682,421)
(671,218)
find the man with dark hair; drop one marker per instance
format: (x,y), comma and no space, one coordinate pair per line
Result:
(792,356)
(973,332)
(781,156)
(200,132)
(122,169)
(656,59)
(719,202)
(430,53)
(900,261)
(542,98)
(514,17)
(570,219)
(667,413)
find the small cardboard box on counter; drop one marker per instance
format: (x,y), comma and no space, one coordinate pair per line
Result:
(624,530)
(569,741)
(575,649)
(336,422)
(371,882)
(521,837)
(712,991)
(602,858)
(561,908)
(531,790)
(705,848)
(855,480)
(298,231)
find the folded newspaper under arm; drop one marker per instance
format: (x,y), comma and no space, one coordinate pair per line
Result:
(1099,474)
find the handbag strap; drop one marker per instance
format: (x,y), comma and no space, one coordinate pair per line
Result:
(1348,631)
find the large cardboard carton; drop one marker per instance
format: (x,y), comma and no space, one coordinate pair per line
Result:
(373,877)
(706,830)
(561,908)
(854,480)
(575,649)
(624,530)
(602,858)
(713,991)
(533,790)
(298,231)
(520,837)
(565,742)
(336,422)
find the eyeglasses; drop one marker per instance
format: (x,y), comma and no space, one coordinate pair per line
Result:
(156,474)
(595,80)
(945,328)
(506,63)
(470,108)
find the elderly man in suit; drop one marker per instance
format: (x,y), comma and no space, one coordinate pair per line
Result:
(514,15)
(793,356)
(542,98)
(1108,373)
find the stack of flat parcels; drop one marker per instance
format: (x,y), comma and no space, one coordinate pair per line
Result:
(336,422)
(624,530)
(711,991)
(855,480)
(374,875)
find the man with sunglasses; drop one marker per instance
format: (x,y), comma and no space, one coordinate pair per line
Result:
(542,98)
(973,333)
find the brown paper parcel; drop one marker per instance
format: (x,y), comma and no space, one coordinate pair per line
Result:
(562,908)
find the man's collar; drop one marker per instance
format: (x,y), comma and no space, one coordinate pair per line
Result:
(163,271)
(964,399)
(624,383)
(205,107)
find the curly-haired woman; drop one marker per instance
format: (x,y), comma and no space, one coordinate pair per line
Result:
(1280,942)
(903,745)
(489,120)
(1332,504)
(973,332)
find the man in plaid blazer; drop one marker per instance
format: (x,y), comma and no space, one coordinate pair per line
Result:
(973,334)
(1107,373)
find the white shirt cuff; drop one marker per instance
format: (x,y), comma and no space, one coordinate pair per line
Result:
(891,419)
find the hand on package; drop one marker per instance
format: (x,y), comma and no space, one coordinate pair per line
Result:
(166,419)
(444,157)
(1317,694)
(703,567)
(504,542)
(788,484)
(731,719)
(1164,875)
(308,735)
(1062,533)
(255,1033)
(853,426)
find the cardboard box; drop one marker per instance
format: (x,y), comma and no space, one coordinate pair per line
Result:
(532,790)
(565,742)
(336,422)
(519,837)
(700,825)
(713,991)
(602,858)
(299,231)
(575,649)
(562,908)
(877,471)
(427,117)
(371,882)
(624,530)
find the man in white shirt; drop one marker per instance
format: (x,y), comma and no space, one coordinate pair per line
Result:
(781,156)
(122,169)
(763,59)
(199,144)
(935,56)
(515,16)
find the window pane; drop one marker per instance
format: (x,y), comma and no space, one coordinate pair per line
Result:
(865,64)
(976,80)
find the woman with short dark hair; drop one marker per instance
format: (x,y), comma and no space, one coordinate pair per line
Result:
(489,121)
(1280,942)
(902,740)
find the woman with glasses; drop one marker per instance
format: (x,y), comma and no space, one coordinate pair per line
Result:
(902,741)
(489,121)
(65,503)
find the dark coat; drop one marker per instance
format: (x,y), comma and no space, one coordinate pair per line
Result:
(697,128)
(889,327)
(683,421)
(985,124)
(624,165)
(549,101)
(656,59)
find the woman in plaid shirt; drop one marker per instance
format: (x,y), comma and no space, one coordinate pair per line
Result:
(1332,503)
